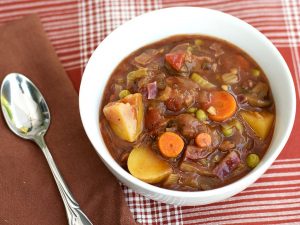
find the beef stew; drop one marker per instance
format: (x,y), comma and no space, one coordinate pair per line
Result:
(188,113)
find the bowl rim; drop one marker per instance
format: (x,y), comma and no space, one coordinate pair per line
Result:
(253,175)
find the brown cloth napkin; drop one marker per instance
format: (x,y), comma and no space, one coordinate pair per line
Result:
(28,193)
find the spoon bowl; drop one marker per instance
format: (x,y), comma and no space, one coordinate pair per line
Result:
(24,108)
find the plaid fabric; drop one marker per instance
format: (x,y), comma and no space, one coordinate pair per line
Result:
(75,28)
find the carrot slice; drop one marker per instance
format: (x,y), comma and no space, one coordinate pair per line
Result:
(170,144)
(203,140)
(224,105)
(175,60)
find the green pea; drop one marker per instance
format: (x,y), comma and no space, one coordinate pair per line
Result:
(227,131)
(124,93)
(252,160)
(201,115)
(191,110)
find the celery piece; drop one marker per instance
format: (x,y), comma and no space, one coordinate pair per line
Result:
(136,74)
(255,72)
(124,93)
(191,110)
(199,42)
(203,83)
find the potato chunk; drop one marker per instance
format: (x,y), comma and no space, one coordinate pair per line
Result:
(126,116)
(145,165)
(260,122)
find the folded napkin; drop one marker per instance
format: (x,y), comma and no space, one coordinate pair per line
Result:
(28,193)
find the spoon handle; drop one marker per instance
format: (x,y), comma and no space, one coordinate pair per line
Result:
(74,213)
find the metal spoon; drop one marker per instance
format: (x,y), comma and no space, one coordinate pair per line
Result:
(27,115)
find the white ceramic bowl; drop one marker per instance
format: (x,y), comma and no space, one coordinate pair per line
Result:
(154,26)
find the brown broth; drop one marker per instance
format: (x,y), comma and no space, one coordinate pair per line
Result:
(226,61)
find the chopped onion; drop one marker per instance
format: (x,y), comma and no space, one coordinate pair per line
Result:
(231,77)
(212,110)
(146,57)
(225,87)
(227,165)
(152,90)
(217,48)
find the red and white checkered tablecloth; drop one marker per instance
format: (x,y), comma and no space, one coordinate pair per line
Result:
(76,27)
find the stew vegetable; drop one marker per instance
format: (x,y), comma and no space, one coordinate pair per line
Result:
(188,113)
